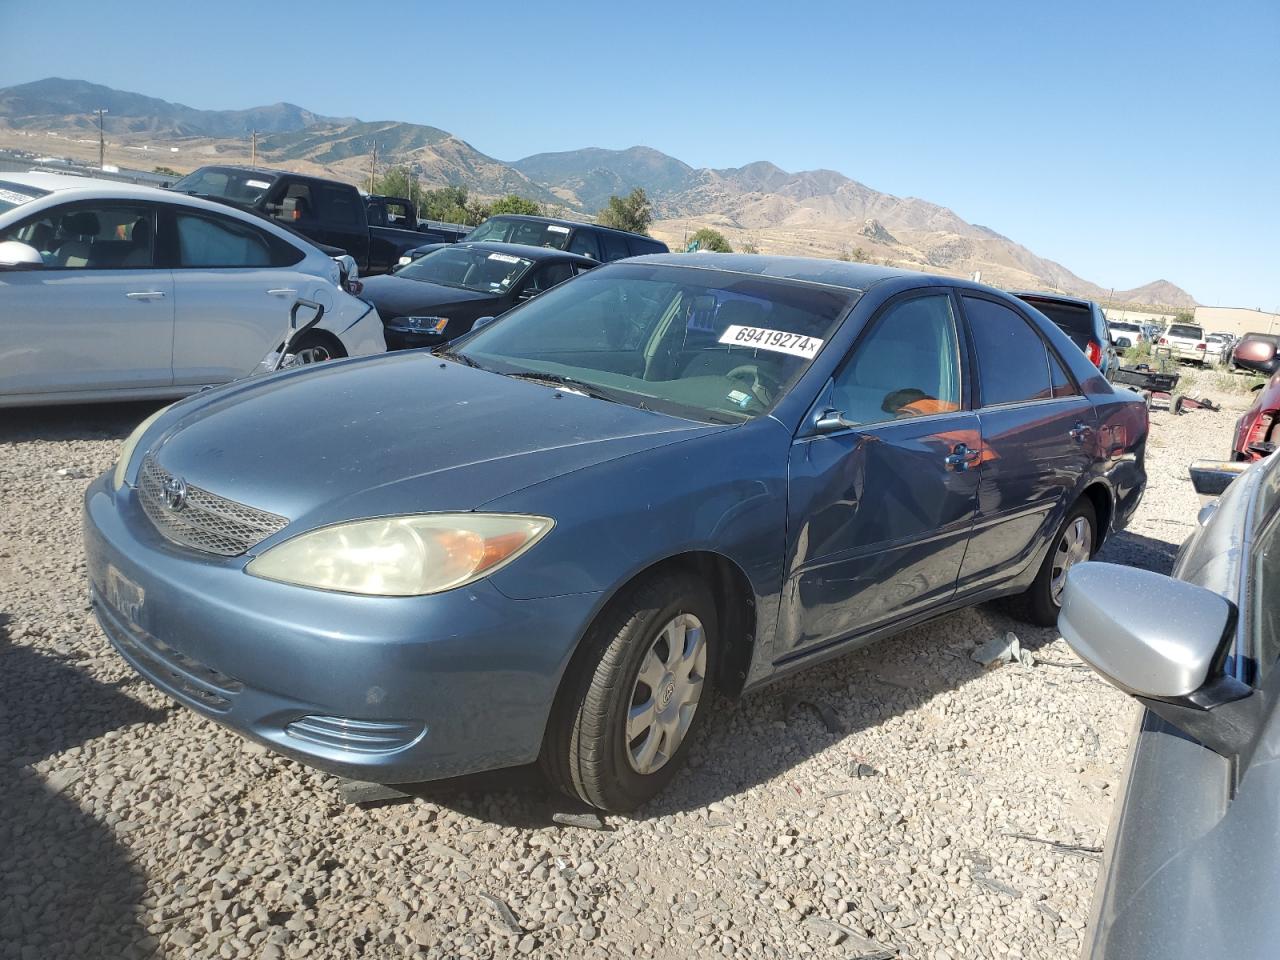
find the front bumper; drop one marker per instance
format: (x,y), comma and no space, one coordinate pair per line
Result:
(402,338)
(391,690)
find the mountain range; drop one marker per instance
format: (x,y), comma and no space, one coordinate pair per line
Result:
(812,212)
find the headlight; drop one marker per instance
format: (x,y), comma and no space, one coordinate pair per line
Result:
(402,556)
(426,324)
(130,444)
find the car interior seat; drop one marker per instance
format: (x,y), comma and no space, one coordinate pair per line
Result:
(139,254)
(79,230)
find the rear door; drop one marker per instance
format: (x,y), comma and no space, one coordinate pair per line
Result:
(1039,437)
(234,285)
(99,315)
(880,513)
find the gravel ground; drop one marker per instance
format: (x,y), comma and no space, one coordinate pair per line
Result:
(868,807)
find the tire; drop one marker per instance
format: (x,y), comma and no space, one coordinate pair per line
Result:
(316,348)
(586,752)
(1040,603)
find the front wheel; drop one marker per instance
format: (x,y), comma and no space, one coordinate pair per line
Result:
(632,703)
(1073,544)
(314,349)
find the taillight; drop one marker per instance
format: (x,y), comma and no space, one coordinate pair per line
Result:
(1258,433)
(1094,352)
(1201,346)
(355,287)
(1164,341)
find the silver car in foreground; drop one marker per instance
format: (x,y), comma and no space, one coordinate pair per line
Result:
(1192,867)
(111,291)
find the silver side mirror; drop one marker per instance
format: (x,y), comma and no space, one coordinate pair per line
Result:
(1164,641)
(481,322)
(15,255)
(1210,478)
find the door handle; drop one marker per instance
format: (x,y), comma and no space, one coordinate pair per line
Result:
(282,292)
(145,295)
(962,457)
(1079,432)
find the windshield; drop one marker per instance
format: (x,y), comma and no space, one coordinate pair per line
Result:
(468,267)
(533,233)
(240,186)
(695,343)
(16,194)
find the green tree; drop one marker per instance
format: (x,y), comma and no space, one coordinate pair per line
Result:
(514,203)
(397,182)
(166,172)
(1185,316)
(632,212)
(449,204)
(708,239)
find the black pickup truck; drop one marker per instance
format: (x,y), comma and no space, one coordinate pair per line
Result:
(331,214)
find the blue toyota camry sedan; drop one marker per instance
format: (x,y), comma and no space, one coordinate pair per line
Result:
(551,541)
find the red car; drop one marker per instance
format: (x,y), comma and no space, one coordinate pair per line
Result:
(1256,431)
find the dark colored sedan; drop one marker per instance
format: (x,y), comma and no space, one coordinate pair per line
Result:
(553,539)
(1190,869)
(437,298)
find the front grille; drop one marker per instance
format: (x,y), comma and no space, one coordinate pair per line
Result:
(205,521)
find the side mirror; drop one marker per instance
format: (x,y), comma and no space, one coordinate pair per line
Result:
(1163,641)
(1122,343)
(528,293)
(1210,478)
(15,255)
(832,421)
(481,322)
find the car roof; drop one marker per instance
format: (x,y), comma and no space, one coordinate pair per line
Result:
(529,218)
(526,251)
(63,186)
(1051,298)
(834,273)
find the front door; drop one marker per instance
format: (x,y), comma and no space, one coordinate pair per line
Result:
(1039,436)
(880,512)
(99,315)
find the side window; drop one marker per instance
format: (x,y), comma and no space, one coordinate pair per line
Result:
(338,206)
(1012,359)
(91,236)
(907,366)
(1063,386)
(208,241)
(584,242)
(615,246)
(550,275)
(640,247)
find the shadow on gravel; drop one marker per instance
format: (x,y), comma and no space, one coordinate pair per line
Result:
(99,421)
(773,730)
(1136,550)
(67,888)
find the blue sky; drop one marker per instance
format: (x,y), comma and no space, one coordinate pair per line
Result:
(1128,140)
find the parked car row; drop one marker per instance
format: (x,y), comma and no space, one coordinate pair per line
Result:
(602,244)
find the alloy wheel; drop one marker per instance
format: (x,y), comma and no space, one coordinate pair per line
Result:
(1074,546)
(666,693)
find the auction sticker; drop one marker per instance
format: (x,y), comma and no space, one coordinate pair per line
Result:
(12,196)
(258,184)
(504,258)
(779,341)
(556,228)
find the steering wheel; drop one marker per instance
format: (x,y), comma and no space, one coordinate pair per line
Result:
(762,388)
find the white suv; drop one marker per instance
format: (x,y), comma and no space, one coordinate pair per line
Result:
(1185,341)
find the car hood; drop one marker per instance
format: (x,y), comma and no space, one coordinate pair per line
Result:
(400,296)
(399,433)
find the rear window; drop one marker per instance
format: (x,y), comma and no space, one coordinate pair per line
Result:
(15,194)
(1186,330)
(1073,320)
(1121,325)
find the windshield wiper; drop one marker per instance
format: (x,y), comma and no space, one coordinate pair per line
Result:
(457,357)
(572,385)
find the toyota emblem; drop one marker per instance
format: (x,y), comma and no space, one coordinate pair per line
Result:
(175,493)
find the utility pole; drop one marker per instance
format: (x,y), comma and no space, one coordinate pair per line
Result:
(373,166)
(102,141)
(253,150)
